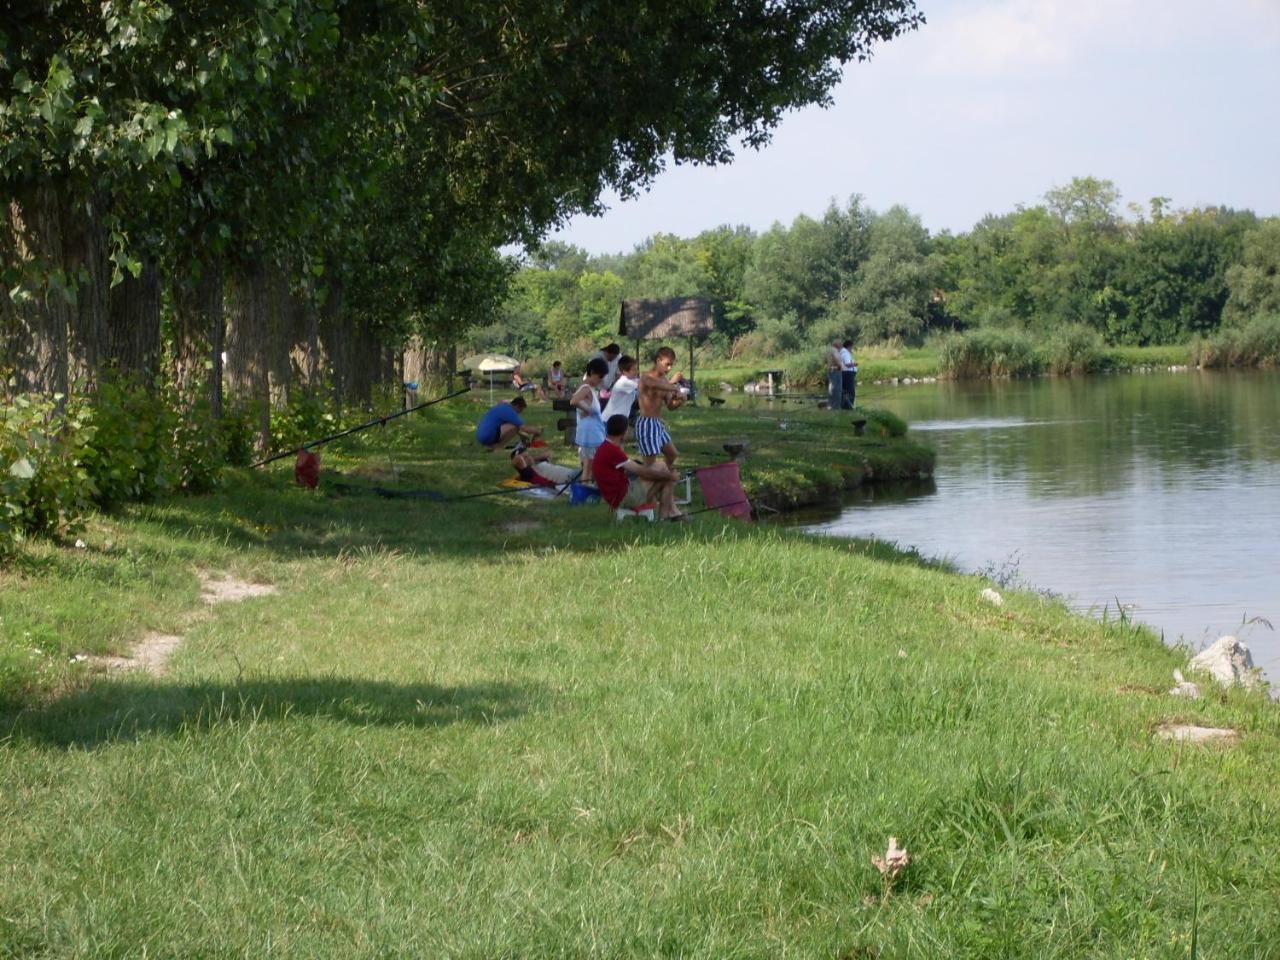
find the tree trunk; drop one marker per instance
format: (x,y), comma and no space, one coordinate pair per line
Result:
(133,321)
(84,255)
(248,337)
(199,332)
(279,342)
(34,328)
(307,354)
(336,340)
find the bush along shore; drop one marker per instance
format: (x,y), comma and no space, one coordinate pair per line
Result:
(992,353)
(267,720)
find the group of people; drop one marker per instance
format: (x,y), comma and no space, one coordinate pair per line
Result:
(601,431)
(842,375)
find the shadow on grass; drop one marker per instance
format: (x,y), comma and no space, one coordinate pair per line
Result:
(123,711)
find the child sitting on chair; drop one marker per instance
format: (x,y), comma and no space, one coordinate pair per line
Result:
(624,482)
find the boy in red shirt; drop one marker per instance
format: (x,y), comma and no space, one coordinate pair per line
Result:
(624,482)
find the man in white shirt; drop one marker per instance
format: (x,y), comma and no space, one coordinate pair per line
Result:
(848,375)
(610,355)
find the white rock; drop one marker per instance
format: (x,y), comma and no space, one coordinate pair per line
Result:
(80,544)
(1184,688)
(1191,733)
(992,597)
(1228,661)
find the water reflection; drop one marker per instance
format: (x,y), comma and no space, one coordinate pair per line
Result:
(1161,491)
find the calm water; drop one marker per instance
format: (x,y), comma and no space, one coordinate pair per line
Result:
(1160,491)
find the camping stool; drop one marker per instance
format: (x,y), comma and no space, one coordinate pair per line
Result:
(645,510)
(688,490)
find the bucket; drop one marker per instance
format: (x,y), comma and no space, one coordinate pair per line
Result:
(580,493)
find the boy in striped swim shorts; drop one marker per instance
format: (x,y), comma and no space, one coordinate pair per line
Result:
(657,391)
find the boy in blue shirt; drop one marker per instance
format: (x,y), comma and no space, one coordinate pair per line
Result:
(501,422)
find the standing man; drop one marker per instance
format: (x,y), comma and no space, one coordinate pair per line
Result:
(835,377)
(848,376)
(657,391)
(610,355)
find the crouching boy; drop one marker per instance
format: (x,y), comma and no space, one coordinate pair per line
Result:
(624,482)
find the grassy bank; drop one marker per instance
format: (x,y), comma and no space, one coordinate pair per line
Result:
(883,364)
(511,728)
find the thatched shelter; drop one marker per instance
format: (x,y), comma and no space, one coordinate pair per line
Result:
(667,320)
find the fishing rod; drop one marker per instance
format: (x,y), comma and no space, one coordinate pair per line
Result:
(364,426)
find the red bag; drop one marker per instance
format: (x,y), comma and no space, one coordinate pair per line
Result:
(306,471)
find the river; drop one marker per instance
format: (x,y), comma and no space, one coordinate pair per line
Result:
(1159,492)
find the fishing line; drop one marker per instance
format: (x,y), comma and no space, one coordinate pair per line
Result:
(380,421)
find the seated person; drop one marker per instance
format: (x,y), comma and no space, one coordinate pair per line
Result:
(555,379)
(501,422)
(624,482)
(623,396)
(525,385)
(533,464)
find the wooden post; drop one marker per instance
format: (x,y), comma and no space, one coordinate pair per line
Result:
(694,387)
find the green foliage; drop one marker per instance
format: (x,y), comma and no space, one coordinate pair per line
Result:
(1254,282)
(146,443)
(45,483)
(238,433)
(1256,344)
(1075,349)
(883,423)
(989,352)
(131,457)
(306,416)
(893,286)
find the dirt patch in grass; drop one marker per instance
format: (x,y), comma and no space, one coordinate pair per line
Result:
(151,654)
(521,526)
(224,588)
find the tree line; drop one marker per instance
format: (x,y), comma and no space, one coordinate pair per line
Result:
(304,185)
(1153,275)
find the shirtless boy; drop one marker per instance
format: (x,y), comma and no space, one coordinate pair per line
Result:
(657,391)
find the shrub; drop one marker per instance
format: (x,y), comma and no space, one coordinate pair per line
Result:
(770,339)
(45,485)
(1075,349)
(305,417)
(807,369)
(131,456)
(988,352)
(883,423)
(238,433)
(197,447)
(1257,344)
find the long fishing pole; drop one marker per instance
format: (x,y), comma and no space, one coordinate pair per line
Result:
(364,426)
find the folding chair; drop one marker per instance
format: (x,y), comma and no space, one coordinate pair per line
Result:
(722,490)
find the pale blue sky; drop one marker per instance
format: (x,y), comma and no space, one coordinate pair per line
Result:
(995,101)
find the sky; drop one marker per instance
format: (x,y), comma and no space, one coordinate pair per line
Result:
(992,103)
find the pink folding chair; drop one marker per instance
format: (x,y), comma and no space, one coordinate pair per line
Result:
(722,490)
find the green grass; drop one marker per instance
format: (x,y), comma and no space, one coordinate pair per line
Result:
(514,729)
